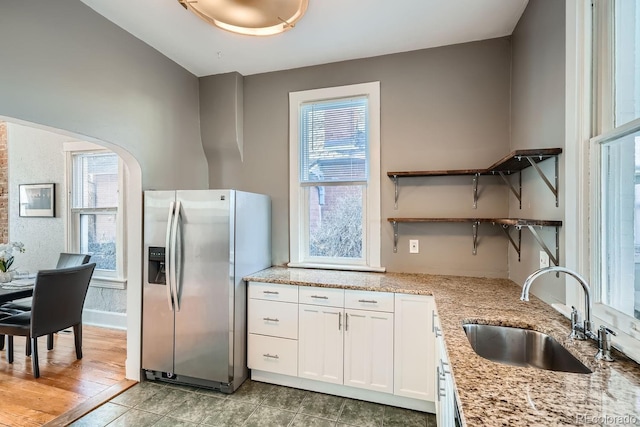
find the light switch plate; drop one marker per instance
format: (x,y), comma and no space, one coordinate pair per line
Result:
(414,247)
(544,259)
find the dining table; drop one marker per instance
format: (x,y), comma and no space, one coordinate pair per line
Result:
(16,289)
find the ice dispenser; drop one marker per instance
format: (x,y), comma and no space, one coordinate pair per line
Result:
(156,265)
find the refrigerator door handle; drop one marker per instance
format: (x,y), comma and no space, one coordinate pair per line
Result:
(174,258)
(167,257)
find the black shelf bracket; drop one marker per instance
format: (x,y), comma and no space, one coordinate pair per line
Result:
(554,258)
(516,246)
(395,199)
(516,192)
(395,236)
(476,178)
(476,224)
(552,187)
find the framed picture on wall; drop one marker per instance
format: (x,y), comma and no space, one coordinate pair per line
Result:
(37,200)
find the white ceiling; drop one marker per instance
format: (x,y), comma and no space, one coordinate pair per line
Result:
(331,30)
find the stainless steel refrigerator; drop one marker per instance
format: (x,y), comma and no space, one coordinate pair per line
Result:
(198,244)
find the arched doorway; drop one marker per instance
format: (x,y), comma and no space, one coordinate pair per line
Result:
(133,241)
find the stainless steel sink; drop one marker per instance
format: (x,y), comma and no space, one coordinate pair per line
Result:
(522,347)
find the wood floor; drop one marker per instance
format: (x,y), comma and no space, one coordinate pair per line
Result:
(65,382)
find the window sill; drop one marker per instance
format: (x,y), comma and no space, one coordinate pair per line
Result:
(337,267)
(108,282)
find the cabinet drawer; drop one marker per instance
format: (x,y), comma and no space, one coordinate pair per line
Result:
(273,292)
(274,318)
(277,355)
(367,300)
(322,296)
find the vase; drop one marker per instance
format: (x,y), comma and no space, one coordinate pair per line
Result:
(5,276)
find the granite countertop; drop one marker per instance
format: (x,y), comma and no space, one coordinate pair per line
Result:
(494,394)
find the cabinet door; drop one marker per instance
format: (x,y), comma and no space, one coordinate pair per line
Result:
(271,354)
(320,346)
(273,318)
(368,350)
(414,364)
(445,407)
(440,376)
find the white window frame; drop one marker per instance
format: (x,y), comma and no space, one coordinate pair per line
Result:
(600,30)
(101,278)
(371,196)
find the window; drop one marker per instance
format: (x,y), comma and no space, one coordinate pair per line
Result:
(335,177)
(620,217)
(615,154)
(95,223)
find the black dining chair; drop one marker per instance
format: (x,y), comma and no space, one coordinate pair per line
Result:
(65,259)
(58,298)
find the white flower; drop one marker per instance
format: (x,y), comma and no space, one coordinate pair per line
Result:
(6,254)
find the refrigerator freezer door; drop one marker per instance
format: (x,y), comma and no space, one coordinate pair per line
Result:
(206,247)
(157,315)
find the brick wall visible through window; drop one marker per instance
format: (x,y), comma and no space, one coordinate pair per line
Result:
(4,185)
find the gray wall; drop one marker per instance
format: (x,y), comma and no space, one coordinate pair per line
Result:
(221,123)
(66,67)
(538,121)
(36,157)
(69,68)
(442,108)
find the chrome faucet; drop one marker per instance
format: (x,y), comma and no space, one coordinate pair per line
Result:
(577,331)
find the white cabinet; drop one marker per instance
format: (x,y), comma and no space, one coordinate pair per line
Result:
(376,346)
(273,292)
(346,346)
(272,354)
(368,350)
(272,342)
(320,343)
(414,363)
(445,393)
(273,318)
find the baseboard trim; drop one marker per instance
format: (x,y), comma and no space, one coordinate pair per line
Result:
(89,405)
(105,319)
(344,391)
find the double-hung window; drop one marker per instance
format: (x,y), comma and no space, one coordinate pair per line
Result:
(95,217)
(335,177)
(615,172)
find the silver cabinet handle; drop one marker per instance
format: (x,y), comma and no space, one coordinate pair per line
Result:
(438,332)
(440,389)
(370,301)
(339,321)
(346,321)
(433,321)
(443,368)
(271,292)
(319,297)
(269,319)
(271,356)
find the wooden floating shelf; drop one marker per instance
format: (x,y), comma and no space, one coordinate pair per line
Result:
(505,223)
(514,162)
(509,164)
(516,222)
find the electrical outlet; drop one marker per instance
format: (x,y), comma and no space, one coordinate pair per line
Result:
(414,247)
(544,259)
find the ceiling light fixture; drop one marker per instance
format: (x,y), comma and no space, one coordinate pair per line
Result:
(249,17)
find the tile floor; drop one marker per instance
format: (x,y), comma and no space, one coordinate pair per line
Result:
(253,404)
